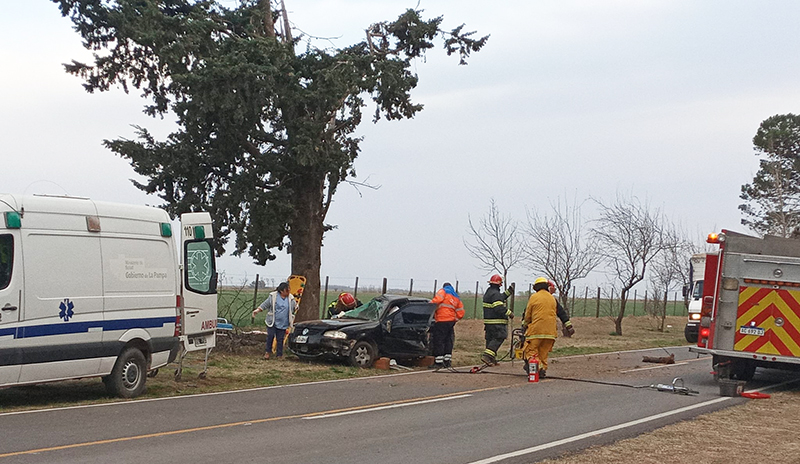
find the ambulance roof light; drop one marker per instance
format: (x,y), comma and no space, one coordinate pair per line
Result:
(13,220)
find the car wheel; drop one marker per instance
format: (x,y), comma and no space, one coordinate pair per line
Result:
(362,354)
(127,379)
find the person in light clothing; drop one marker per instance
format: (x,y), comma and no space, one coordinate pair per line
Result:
(280,306)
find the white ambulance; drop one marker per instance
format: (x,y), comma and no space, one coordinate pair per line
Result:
(98,289)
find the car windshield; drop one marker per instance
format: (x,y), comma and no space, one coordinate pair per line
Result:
(370,311)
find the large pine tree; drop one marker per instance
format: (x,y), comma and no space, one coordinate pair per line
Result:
(772,200)
(265,133)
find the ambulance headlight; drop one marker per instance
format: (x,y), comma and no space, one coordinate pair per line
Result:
(335,334)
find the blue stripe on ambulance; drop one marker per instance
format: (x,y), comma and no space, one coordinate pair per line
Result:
(81,327)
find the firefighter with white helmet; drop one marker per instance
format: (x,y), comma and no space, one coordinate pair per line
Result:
(495,318)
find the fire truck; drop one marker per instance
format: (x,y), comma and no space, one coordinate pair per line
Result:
(694,293)
(750,315)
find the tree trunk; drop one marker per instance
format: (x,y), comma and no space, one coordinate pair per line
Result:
(306,232)
(623,300)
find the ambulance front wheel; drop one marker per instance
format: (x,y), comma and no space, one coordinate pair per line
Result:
(127,379)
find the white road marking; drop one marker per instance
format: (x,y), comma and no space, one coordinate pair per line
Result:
(379,408)
(613,428)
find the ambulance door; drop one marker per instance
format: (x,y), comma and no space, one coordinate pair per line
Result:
(198,282)
(10,304)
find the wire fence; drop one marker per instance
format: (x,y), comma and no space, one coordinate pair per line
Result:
(236,302)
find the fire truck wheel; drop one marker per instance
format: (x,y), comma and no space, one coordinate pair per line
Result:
(127,379)
(743,370)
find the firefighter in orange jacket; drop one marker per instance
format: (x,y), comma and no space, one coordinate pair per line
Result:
(540,321)
(449,311)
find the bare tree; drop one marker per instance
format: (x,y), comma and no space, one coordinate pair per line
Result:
(496,243)
(669,269)
(630,236)
(557,246)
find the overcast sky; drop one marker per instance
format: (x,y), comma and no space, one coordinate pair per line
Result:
(657,99)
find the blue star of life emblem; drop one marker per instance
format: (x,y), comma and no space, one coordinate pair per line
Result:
(66,310)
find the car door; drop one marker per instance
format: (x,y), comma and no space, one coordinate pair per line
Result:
(405,330)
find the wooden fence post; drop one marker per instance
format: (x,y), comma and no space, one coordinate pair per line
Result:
(634,301)
(571,309)
(475,306)
(435,287)
(611,302)
(675,305)
(645,302)
(597,314)
(355,289)
(585,300)
(255,301)
(383,287)
(513,298)
(411,287)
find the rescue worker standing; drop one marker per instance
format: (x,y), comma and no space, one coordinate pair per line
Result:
(448,312)
(495,318)
(540,323)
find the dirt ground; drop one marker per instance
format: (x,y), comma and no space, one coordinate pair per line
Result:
(765,431)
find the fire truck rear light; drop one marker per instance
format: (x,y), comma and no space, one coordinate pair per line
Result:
(715,238)
(705,332)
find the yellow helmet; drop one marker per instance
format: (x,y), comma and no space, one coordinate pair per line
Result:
(540,280)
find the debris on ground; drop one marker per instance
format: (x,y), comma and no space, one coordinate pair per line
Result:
(659,359)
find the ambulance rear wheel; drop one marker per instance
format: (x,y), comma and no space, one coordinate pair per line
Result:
(127,379)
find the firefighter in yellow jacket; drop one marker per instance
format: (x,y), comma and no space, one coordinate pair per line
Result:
(540,322)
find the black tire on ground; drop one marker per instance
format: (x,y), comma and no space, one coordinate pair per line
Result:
(690,333)
(363,354)
(743,370)
(127,379)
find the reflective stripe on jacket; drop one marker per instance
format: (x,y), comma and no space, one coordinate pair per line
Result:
(494,305)
(450,308)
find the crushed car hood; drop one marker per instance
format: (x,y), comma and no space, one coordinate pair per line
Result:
(332,324)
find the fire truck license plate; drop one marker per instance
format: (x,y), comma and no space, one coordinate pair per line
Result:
(757,331)
(301,339)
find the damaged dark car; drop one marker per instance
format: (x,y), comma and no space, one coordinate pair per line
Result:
(389,325)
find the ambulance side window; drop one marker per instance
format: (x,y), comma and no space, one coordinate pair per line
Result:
(6,259)
(200,270)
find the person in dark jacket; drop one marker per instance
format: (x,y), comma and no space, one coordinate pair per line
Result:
(561,313)
(495,318)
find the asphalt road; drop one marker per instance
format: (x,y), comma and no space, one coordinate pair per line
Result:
(420,417)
